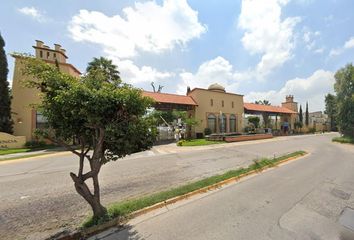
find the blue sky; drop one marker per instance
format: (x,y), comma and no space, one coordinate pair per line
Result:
(262,49)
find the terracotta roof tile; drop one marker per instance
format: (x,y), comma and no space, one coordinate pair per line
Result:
(266,108)
(170,98)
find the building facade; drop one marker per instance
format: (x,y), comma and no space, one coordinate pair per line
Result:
(217,110)
(26,117)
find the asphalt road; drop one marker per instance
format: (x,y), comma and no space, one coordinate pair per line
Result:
(303,200)
(38,198)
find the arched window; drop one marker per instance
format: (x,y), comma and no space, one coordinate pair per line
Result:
(222,123)
(232,123)
(212,122)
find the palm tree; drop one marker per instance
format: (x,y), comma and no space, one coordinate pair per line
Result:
(265,115)
(112,73)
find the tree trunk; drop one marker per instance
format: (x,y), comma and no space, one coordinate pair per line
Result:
(93,200)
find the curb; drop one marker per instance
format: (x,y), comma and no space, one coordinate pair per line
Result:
(85,233)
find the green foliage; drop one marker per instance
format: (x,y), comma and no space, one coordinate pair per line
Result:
(180,143)
(312,130)
(344,140)
(5,98)
(344,88)
(298,125)
(81,107)
(35,144)
(14,150)
(331,110)
(107,68)
(197,142)
(301,120)
(254,120)
(207,131)
(124,208)
(307,114)
(265,115)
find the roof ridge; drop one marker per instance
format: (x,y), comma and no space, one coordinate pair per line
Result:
(175,94)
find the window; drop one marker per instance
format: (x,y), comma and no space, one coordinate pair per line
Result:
(211,102)
(232,104)
(48,54)
(41,54)
(232,123)
(41,121)
(212,122)
(222,103)
(222,123)
(55,55)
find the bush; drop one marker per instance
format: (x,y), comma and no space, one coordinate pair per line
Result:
(207,131)
(35,144)
(312,130)
(180,142)
(344,139)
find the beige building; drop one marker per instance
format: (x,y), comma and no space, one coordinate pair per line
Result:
(26,118)
(217,110)
(213,108)
(224,112)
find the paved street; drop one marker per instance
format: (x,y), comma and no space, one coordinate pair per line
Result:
(38,197)
(299,200)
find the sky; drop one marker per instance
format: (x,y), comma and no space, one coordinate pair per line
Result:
(263,49)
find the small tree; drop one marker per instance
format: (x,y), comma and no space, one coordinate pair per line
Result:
(301,116)
(254,120)
(344,88)
(5,98)
(307,114)
(105,115)
(265,115)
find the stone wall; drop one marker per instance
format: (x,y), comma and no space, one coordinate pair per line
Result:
(10,141)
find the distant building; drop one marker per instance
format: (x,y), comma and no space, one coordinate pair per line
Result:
(26,118)
(221,111)
(319,121)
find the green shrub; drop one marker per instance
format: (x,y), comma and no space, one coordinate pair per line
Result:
(312,130)
(180,142)
(343,139)
(207,131)
(35,144)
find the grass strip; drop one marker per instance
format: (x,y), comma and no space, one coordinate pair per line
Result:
(124,208)
(14,150)
(344,140)
(197,142)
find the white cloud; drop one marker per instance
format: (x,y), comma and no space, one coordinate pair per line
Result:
(133,74)
(310,38)
(311,89)
(347,45)
(145,27)
(217,70)
(32,12)
(267,33)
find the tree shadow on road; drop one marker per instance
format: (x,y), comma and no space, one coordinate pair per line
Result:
(125,232)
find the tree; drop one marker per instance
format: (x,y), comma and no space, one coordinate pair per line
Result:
(265,115)
(254,120)
(301,120)
(331,110)
(104,114)
(106,67)
(154,88)
(344,88)
(307,114)
(5,98)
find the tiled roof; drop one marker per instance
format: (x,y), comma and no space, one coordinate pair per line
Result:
(266,108)
(170,98)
